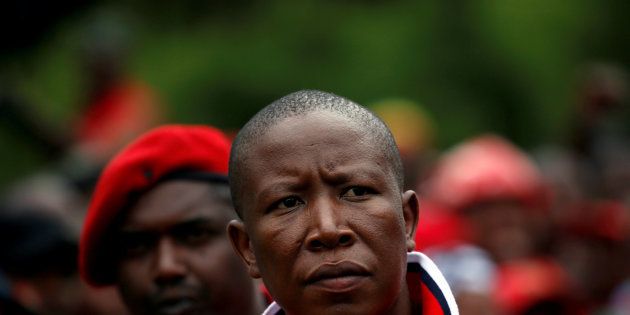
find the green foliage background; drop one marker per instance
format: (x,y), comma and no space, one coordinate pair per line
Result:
(477,66)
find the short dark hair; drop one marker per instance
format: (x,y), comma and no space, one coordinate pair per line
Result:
(301,103)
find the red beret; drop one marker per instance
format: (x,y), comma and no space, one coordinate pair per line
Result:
(138,167)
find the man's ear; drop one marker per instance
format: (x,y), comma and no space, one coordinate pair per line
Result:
(243,246)
(410,207)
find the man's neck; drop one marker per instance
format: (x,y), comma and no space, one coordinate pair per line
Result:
(402,305)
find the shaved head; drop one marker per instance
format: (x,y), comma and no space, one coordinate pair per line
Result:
(299,104)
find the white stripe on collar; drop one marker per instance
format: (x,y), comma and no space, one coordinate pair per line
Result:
(429,266)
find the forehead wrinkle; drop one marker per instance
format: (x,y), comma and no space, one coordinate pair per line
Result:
(282,186)
(348,172)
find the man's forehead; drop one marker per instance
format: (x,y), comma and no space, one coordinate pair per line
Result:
(325,141)
(311,127)
(175,201)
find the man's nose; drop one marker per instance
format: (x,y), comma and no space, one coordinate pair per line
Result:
(169,267)
(328,227)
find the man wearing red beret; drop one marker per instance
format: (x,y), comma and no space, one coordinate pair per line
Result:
(156,227)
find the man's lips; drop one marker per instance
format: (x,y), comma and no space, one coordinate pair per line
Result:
(175,302)
(339,276)
(176,306)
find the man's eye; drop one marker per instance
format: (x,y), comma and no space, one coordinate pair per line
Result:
(136,245)
(194,235)
(288,203)
(357,191)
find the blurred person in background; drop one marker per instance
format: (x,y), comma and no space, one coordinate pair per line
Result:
(535,287)
(601,132)
(595,166)
(51,193)
(8,305)
(117,107)
(38,259)
(472,275)
(468,269)
(156,227)
(498,191)
(591,185)
(413,129)
(490,200)
(602,145)
(593,247)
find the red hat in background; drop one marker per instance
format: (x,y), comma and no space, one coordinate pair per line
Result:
(482,169)
(523,284)
(168,152)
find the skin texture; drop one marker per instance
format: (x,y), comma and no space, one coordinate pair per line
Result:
(320,196)
(176,258)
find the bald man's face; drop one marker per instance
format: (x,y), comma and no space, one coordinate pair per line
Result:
(326,225)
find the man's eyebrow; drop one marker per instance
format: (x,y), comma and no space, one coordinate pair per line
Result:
(355,173)
(188,223)
(132,232)
(281,187)
(197,221)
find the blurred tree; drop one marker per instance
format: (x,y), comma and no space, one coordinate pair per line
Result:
(489,66)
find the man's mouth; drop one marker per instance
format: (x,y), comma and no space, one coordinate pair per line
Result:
(173,301)
(338,277)
(175,306)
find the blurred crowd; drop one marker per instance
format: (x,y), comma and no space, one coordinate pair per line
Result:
(41,215)
(545,231)
(540,232)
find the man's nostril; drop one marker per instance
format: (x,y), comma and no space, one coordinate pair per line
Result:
(316,244)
